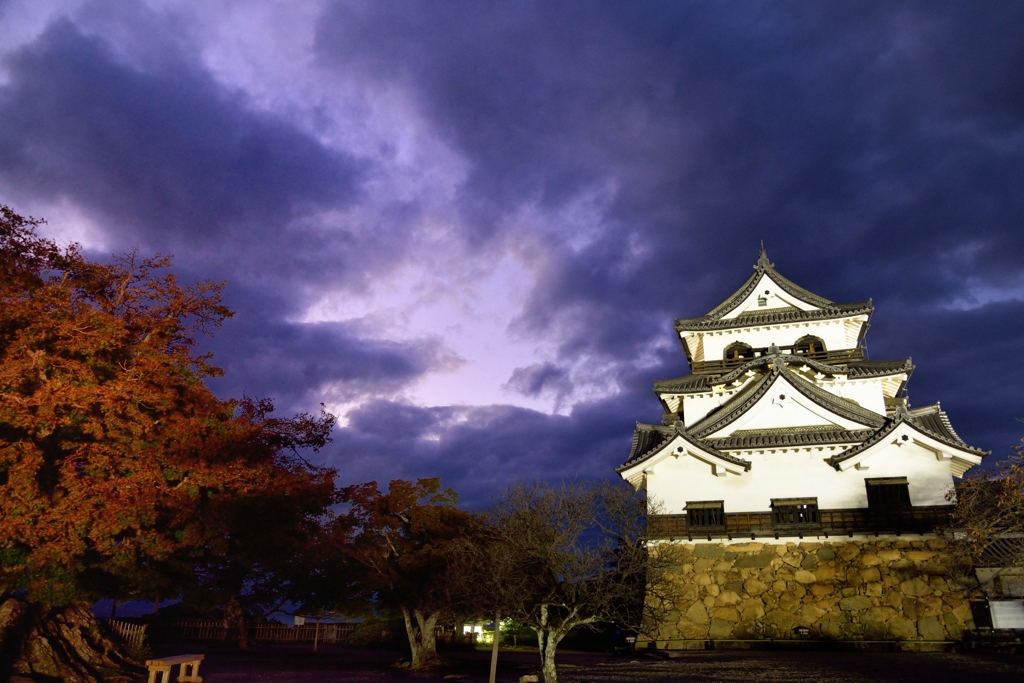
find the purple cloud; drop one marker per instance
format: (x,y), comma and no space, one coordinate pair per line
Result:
(468,228)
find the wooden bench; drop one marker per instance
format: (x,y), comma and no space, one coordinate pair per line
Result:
(185,675)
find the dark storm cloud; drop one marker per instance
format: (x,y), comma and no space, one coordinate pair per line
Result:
(875,147)
(170,157)
(967,361)
(835,128)
(481,450)
(167,158)
(301,364)
(539,378)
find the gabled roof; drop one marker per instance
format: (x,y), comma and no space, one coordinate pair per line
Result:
(780,438)
(648,438)
(903,416)
(690,384)
(686,384)
(879,368)
(649,433)
(776,316)
(746,398)
(827,309)
(933,419)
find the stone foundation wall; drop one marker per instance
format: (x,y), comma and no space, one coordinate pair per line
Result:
(881,590)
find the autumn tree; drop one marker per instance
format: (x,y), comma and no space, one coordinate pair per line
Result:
(403,539)
(573,556)
(113,451)
(987,524)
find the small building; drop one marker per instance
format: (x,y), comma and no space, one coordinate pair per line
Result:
(785,445)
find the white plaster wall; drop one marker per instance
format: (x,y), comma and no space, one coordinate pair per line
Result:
(866,393)
(775,297)
(674,481)
(782,406)
(697,406)
(930,478)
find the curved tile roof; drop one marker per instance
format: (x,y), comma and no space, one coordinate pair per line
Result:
(780,438)
(855,370)
(904,416)
(746,398)
(775,317)
(637,457)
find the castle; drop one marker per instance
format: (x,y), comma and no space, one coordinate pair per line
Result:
(798,480)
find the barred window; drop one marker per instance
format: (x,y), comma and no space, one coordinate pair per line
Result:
(888,492)
(708,513)
(795,512)
(738,352)
(810,346)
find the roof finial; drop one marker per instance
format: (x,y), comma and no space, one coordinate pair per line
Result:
(901,412)
(762,260)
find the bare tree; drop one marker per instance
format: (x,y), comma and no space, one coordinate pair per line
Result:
(572,556)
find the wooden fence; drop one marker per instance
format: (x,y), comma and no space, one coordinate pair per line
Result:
(133,635)
(260,631)
(185,630)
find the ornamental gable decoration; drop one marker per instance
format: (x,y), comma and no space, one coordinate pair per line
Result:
(785,428)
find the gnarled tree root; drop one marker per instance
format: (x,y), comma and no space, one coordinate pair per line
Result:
(47,645)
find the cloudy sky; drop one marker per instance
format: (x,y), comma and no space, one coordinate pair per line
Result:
(466,227)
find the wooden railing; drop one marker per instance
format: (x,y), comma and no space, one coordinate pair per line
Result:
(719,366)
(859,521)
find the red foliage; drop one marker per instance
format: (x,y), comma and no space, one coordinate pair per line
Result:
(404,541)
(112,448)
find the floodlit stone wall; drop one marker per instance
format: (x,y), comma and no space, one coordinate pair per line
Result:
(854,590)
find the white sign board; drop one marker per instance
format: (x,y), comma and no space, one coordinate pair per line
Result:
(299,621)
(1007,613)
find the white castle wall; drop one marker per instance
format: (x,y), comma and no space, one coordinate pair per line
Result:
(796,473)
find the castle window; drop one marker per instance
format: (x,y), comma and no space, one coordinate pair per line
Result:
(704,514)
(738,353)
(810,346)
(888,493)
(795,512)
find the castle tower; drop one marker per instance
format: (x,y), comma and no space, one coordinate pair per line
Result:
(785,443)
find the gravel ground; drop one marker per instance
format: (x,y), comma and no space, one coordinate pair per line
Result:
(300,665)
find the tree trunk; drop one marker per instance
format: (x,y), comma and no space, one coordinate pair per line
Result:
(548,639)
(65,644)
(419,627)
(547,666)
(234,616)
(494,648)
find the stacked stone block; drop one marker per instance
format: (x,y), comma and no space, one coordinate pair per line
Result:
(883,590)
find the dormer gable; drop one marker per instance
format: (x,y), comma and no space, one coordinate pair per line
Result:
(782,399)
(766,310)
